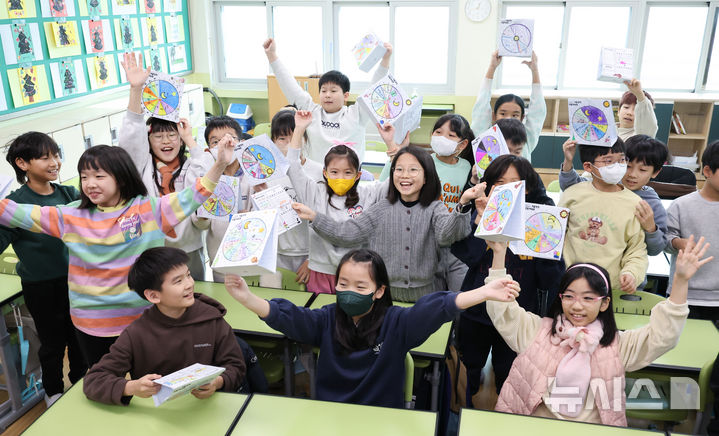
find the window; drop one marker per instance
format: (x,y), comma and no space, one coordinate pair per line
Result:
(712,83)
(353,22)
(422,40)
(247,24)
(298,32)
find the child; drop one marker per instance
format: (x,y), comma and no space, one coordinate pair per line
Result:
(696,213)
(579,348)
(181,328)
(337,194)
(407,227)
(514,133)
(511,106)
(157,149)
(43,261)
(333,120)
(645,157)
(636,112)
(114,221)
(363,339)
(476,335)
(602,225)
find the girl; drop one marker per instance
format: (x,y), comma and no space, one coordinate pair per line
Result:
(579,343)
(338,194)
(511,106)
(114,221)
(407,227)
(476,335)
(157,148)
(363,339)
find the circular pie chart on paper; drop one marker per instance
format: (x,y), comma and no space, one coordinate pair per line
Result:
(516,38)
(495,214)
(160,97)
(542,232)
(258,162)
(487,151)
(590,123)
(386,101)
(245,240)
(222,201)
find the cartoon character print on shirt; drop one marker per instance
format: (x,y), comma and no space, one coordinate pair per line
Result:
(354,211)
(593,232)
(450,195)
(130,226)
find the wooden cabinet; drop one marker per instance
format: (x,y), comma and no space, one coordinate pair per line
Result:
(276,99)
(696,117)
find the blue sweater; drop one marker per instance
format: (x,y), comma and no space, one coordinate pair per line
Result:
(374,376)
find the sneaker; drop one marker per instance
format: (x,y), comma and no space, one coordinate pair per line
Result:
(50,400)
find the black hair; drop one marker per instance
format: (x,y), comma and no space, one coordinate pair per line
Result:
(513,130)
(499,166)
(337,78)
(221,122)
(151,267)
(342,151)
(116,162)
(597,284)
(160,125)
(507,98)
(647,150)
(460,126)
(358,337)
(589,153)
(432,187)
(710,157)
(629,98)
(29,146)
(282,124)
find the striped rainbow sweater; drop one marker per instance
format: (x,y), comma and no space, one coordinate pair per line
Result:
(103,244)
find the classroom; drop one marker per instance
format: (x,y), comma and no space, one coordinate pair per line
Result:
(276,216)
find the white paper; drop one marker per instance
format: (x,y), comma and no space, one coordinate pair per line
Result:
(408,120)
(158,29)
(277,198)
(57,79)
(503,218)
(8,46)
(181,382)
(487,147)
(3,103)
(5,184)
(107,39)
(45,7)
(177,58)
(249,246)
(172,6)
(368,52)
(173,28)
(544,231)
(385,100)
(592,121)
(616,64)
(162,96)
(260,160)
(119,9)
(224,201)
(516,37)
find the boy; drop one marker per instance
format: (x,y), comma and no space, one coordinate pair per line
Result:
(218,126)
(645,158)
(43,260)
(181,328)
(332,120)
(636,112)
(602,226)
(696,214)
(515,134)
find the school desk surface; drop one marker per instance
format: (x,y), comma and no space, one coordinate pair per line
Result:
(323,418)
(74,414)
(472,422)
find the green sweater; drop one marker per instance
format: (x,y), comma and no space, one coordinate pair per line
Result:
(41,257)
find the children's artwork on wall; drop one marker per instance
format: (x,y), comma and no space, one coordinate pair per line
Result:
(98,36)
(68,77)
(93,8)
(408,121)
(127,33)
(21,42)
(174,28)
(616,64)
(385,100)
(161,96)
(149,6)
(15,9)
(544,230)
(177,58)
(516,37)
(172,5)
(503,217)
(102,71)
(260,160)
(487,147)
(53,35)
(57,8)
(277,198)
(65,34)
(368,51)
(592,121)
(3,102)
(155,57)
(225,201)
(152,32)
(249,246)
(28,85)
(124,7)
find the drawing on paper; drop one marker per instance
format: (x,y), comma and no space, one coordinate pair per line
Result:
(258,161)
(15,8)
(590,123)
(542,232)
(161,96)
(488,149)
(222,202)
(517,38)
(101,74)
(387,101)
(23,43)
(58,8)
(28,84)
(497,210)
(244,240)
(65,34)
(67,70)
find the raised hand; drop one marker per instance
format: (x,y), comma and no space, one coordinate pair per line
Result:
(304,212)
(270,49)
(505,290)
(532,63)
(689,260)
(134,72)
(387,55)
(237,287)
(472,193)
(635,87)
(303,119)
(184,128)
(226,150)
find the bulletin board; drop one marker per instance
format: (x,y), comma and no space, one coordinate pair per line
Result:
(59,50)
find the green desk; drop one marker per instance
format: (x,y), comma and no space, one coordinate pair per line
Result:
(434,348)
(269,415)
(244,321)
(698,343)
(473,422)
(74,414)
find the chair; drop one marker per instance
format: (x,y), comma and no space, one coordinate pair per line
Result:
(408,381)
(261,129)
(8,260)
(553,186)
(375,146)
(288,280)
(72,182)
(638,303)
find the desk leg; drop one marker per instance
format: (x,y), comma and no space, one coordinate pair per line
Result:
(11,375)
(435,386)
(289,370)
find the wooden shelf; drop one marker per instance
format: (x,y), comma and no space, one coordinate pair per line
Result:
(688,136)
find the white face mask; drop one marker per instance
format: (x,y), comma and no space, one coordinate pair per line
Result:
(612,174)
(442,145)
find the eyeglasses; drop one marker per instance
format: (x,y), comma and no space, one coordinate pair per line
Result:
(160,136)
(414,171)
(605,162)
(586,301)
(214,142)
